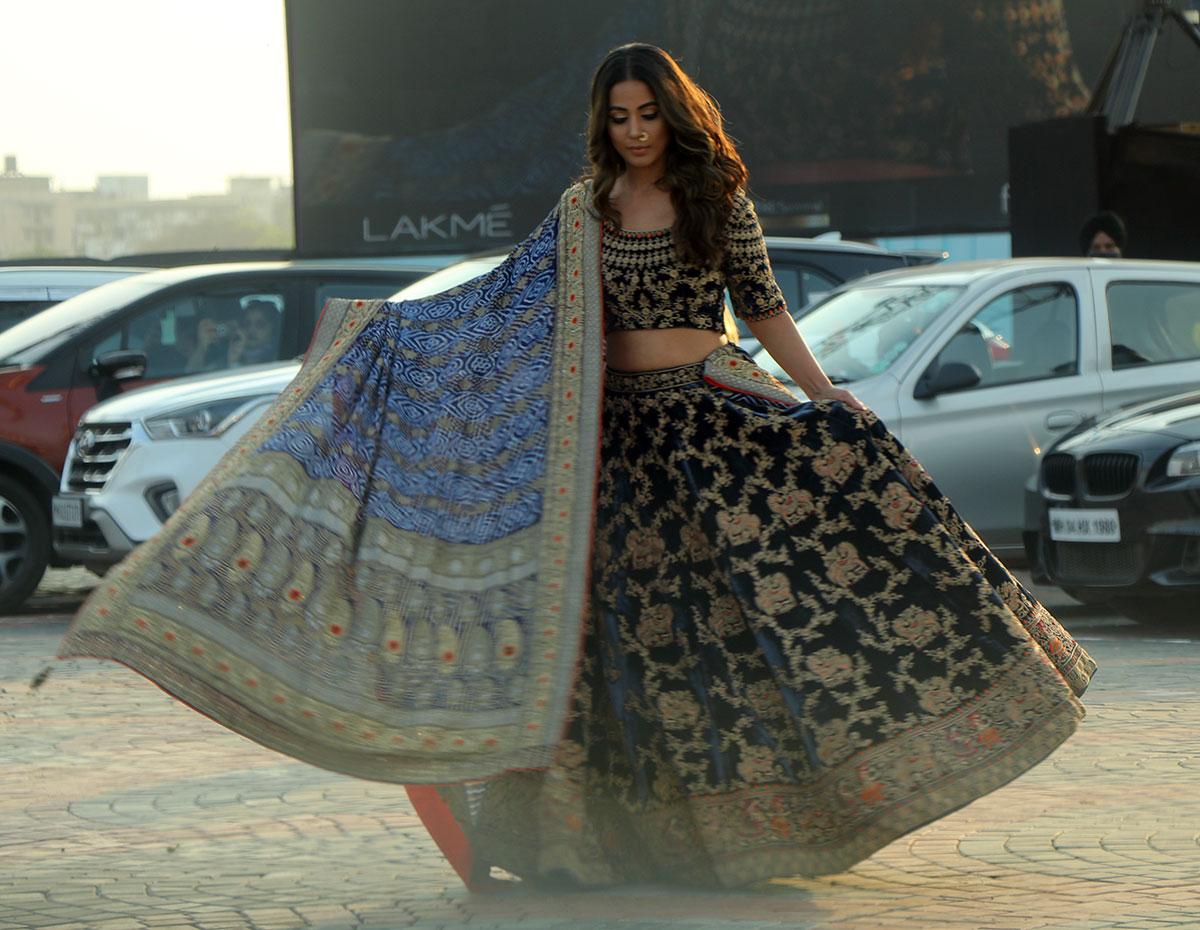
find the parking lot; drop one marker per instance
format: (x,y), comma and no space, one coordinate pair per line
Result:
(120,809)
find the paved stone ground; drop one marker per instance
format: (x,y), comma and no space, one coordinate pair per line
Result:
(123,810)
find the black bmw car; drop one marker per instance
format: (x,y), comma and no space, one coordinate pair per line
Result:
(1116,515)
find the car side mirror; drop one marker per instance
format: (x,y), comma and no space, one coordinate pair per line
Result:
(119,365)
(952,376)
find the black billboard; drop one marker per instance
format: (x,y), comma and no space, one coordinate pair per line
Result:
(435,125)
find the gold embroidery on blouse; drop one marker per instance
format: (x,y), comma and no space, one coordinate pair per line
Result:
(648,286)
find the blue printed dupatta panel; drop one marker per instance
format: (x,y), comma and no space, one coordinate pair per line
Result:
(387,575)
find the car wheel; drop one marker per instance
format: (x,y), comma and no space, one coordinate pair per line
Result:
(1087,595)
(1166,611)
(24,543)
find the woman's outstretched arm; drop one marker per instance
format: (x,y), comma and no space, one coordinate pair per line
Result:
(779,336)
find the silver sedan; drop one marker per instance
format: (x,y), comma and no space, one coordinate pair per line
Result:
(979,366)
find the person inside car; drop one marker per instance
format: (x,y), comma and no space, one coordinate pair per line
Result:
(255,338)
(204,341)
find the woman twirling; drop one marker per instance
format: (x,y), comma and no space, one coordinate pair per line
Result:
(660,621)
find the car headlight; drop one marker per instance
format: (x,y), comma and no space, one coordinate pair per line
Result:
(1184,461)
(204,420)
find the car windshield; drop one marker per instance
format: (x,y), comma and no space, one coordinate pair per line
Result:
(860,332)
(29,341)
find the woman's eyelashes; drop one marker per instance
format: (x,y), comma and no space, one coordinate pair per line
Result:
(620,120)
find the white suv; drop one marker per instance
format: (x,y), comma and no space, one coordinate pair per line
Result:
(136,456)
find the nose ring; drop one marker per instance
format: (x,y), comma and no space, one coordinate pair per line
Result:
(643,137)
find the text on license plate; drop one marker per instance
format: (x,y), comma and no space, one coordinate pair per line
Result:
(1068,525)
(67,511)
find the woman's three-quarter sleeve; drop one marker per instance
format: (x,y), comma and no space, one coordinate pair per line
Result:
(747,269)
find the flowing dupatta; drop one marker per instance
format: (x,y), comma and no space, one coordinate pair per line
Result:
(387,576)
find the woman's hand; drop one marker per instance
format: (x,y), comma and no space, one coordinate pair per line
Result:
(206,334)
(237,344)
(833,392)
(779,336)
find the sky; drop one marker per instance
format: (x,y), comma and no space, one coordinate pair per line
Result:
(188,92)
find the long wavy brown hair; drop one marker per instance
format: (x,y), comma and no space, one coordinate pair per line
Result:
(703,169)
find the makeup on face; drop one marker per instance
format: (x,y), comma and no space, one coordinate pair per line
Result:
(635,125)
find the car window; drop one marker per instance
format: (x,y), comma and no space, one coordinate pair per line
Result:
(1151,322)
(200,331)
(1026,334)
(33,340)
(861,331)
(802,286)
(14,311)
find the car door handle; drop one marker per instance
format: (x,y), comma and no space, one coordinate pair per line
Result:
(1063,419)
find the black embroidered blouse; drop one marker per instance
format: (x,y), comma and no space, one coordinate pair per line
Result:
(648,286)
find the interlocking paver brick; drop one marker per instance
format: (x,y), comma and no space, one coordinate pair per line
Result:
(123,810)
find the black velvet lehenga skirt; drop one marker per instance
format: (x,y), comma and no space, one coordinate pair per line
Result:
(798,651)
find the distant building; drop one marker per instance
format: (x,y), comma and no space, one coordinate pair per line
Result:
(32,221)
(263,196)
(118,217)
(124,186)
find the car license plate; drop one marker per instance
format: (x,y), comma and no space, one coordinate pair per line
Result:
(67,512)
(1067,525)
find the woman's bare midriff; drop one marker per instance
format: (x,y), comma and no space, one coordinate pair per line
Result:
(646,349)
